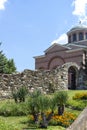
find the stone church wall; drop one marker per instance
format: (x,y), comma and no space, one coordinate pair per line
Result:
(47,81)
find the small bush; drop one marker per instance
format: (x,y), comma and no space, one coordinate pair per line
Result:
(80,96)
(73,104)
(20,94)
(64,120)
(13,109)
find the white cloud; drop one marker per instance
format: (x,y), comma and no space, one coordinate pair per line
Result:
(61,40)
(2,4)
(80,10)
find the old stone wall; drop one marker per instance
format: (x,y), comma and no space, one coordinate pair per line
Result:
(47,81)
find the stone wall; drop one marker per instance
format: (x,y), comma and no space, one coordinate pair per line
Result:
(47,81)
(81,122)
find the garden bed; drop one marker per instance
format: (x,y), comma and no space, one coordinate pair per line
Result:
(15,116)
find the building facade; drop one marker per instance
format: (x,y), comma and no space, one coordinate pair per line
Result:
(74,51)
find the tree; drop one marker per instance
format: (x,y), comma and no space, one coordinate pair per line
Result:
(38,105)
(7,66)
(10,66)
(61,98)
(3,61)
(44,106)
(34,106)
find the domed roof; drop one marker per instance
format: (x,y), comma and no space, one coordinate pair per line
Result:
(78,27)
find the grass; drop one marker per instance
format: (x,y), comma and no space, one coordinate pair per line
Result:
(21,122)
(16,123)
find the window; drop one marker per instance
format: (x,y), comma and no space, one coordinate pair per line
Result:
(69,39)
(80,36)
(74,37)
(86,35)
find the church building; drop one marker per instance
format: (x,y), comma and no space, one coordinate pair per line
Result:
(73,51)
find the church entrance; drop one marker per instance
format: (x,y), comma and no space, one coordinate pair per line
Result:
(72,78)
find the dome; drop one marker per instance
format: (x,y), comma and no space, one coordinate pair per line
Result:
(78,27)
(77,33)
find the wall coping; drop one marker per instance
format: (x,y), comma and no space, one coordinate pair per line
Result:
(80,123)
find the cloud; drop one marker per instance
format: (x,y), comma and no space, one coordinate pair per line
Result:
(2,4)
(80,10)
(61,40)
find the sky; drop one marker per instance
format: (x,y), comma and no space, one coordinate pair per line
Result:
(29,27)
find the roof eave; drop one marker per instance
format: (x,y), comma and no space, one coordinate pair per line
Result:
(37,57)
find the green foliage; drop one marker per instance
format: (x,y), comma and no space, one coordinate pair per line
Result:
(3,61)
(7,66)
(10,108)
(20,94)
(52,102)
(61,97)
(80,96)
(77,101)
(10,66)
(43,100)
(65,120)
(33,103)
(76,105)
(13,109)
(5,126)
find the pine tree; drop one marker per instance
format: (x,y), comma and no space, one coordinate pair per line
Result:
(6,65)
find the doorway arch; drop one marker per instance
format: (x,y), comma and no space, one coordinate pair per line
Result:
(72,78)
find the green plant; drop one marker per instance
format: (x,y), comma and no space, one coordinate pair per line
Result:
(38,105)
(7,66)
(13,109)
(20,94)
(76,105)
(80,96)
(64,120)
(44,106)
(5,126)
(34,106)
(61,99)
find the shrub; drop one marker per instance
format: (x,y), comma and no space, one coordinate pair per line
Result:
(80,96)
(73,104)
(13,109)
(34,104)
(61,99)
(64,120)
(20,94)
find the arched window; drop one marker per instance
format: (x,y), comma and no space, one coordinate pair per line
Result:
(80,36)
(69,39)
(74,37)
(86,35)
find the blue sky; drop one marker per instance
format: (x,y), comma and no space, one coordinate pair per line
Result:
(28,27)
